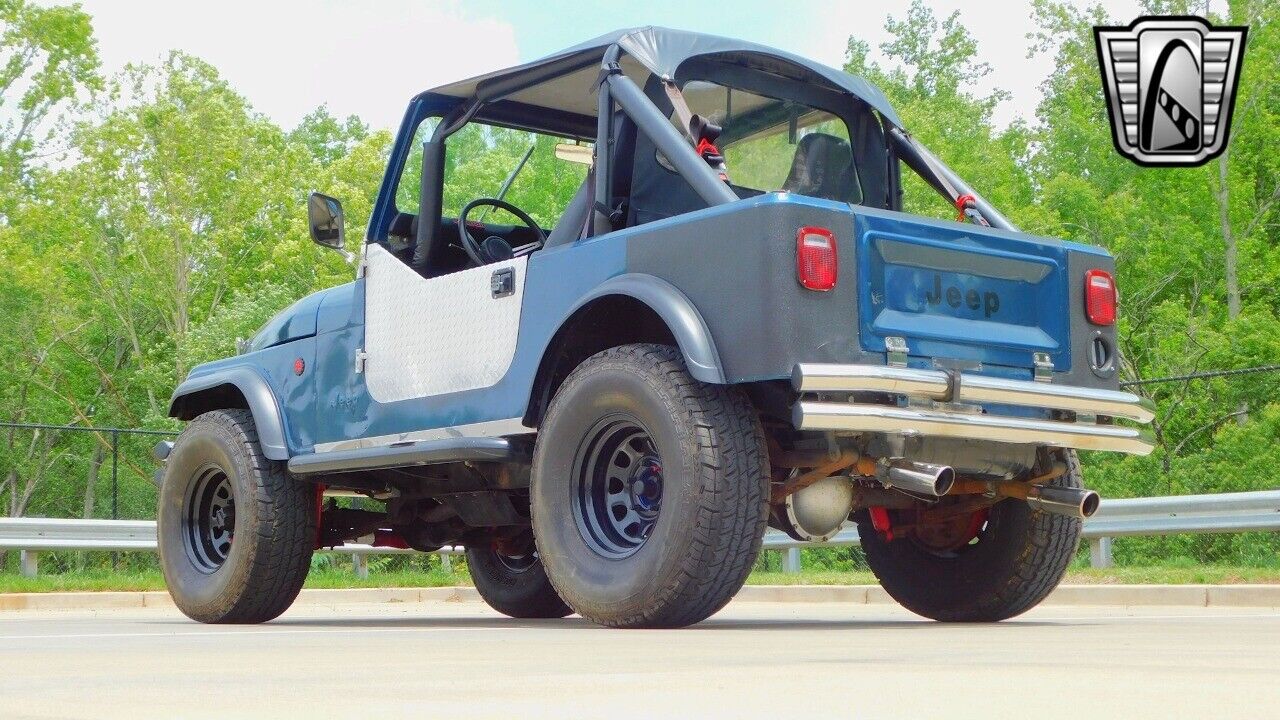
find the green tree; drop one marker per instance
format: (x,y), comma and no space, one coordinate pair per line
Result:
(180,226)
(1196,248)
(929,74)
(48,62)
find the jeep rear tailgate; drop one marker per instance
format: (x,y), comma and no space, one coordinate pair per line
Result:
(963,291)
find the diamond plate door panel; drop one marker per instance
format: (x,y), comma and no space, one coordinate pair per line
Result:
(430,337)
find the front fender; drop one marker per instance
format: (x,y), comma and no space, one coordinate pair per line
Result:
(677,311)
(197,395)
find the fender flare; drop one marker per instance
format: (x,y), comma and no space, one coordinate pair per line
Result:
(676,310)
(257,393)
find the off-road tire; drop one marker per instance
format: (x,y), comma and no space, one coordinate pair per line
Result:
(714,491)
(274,524)
(1019,558)
(514,590)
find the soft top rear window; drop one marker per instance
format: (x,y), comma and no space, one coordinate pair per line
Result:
(778,144)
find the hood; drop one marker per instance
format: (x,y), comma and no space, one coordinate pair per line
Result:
(294,322)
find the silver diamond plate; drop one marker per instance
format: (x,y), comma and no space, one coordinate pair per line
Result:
(430,337)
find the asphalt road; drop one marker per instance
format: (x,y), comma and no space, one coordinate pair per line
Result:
(776,661)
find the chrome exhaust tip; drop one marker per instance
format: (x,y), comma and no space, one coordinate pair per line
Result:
(1076,503)
(919,478)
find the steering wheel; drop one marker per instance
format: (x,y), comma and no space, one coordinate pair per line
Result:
(485,254)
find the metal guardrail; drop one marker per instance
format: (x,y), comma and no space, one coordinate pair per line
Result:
(33,536)
(1221,513)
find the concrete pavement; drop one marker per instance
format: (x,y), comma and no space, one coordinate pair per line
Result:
(1265,596)
(755,659)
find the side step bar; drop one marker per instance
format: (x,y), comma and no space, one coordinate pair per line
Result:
(399,455)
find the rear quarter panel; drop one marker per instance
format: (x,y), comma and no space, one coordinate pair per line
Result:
(737,263)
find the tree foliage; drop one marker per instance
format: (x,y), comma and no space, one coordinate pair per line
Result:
(177,229)
(48,62)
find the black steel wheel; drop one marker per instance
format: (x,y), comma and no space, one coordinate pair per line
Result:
(649,490)
(617,495)
(514,585)
(235,531)
(209,519)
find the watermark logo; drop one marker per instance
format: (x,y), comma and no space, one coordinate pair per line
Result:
(1170,84)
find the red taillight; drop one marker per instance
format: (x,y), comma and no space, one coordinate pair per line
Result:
(816,258)
(1100,297)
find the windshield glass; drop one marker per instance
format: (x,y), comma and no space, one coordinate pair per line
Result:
(480,163)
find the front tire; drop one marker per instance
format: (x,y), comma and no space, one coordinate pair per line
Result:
(236,532)
(649,490)
(1015,559)
(514,586)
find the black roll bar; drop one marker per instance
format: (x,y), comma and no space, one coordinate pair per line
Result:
(944,179)
(695,170)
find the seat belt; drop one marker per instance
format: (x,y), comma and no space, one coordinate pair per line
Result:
(699,130)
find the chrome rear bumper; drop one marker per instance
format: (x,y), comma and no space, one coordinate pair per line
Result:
(936,385)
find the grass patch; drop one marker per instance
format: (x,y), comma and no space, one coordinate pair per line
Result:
(814,577)
(343,578)
(1200,575)
(337,579)
(123,581)
(83,581)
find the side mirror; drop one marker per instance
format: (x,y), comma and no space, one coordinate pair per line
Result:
(324,216)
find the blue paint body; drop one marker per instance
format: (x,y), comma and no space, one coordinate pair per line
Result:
(342,410)
(732,265)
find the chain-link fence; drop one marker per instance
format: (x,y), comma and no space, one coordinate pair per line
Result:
(73,471)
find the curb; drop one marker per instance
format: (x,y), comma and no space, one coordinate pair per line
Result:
(1265,596)
(1257,596)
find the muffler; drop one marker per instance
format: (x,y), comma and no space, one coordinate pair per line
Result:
(917,477)
(1072,502)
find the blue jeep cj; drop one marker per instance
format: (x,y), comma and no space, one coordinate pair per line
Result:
(731,325)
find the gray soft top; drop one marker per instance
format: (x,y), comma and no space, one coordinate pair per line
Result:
(565,81)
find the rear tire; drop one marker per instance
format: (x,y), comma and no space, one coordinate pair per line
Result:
(1018,558)
(649,490)
(235,531)
(514,586)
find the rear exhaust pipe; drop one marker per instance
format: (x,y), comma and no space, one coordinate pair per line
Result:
(1071,502)
(919,478)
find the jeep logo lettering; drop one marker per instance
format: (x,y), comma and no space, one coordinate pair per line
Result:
(988,302)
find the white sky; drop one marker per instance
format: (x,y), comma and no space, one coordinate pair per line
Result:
(367,57)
